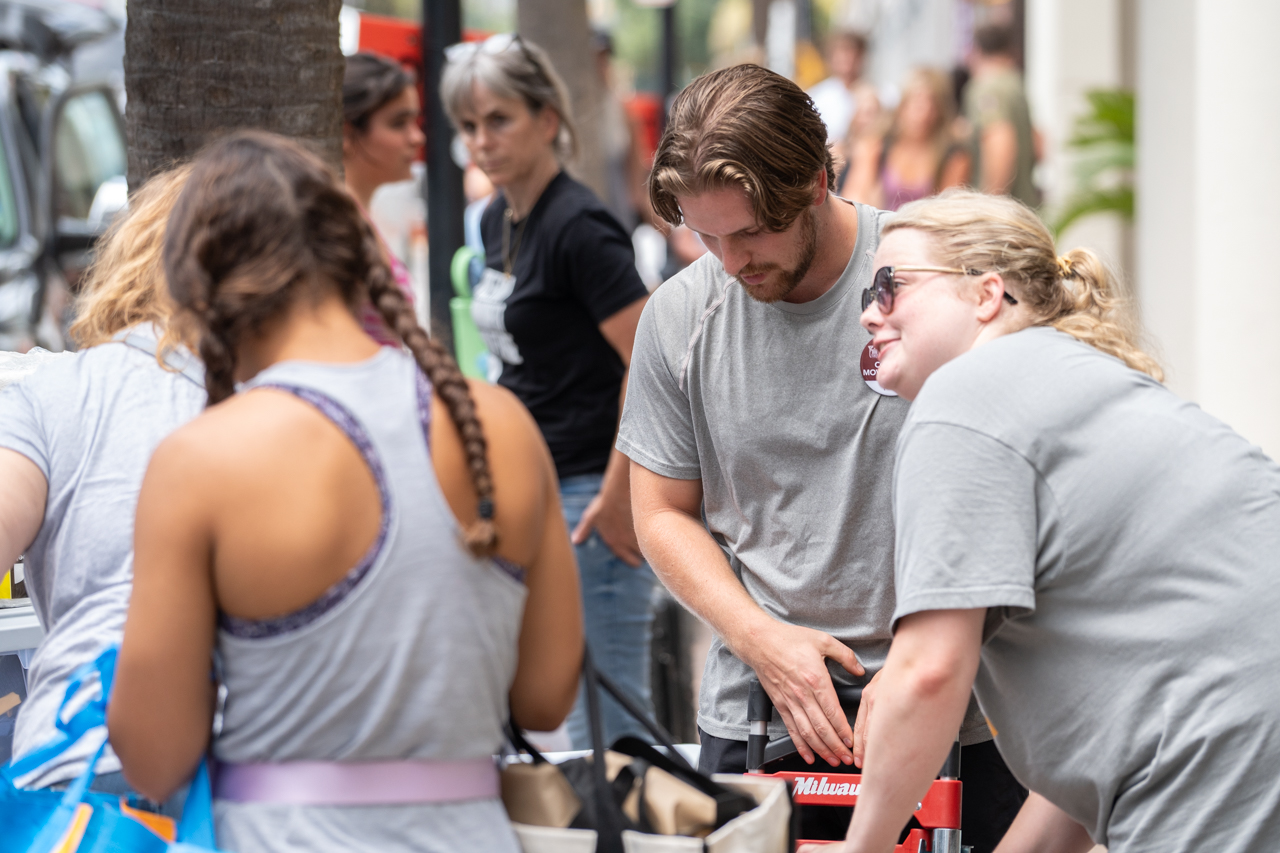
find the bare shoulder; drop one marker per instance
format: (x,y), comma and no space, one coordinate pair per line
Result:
(501,412)
(238,437)
(516,446)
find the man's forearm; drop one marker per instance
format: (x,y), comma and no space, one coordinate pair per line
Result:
(693,567)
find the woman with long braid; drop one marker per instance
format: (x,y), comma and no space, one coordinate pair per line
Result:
(372,546)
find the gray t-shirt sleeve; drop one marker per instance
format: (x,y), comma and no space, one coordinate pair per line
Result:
(657,424)
(20,427)
(965,510)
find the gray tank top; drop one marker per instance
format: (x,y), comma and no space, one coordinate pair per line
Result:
(410,655)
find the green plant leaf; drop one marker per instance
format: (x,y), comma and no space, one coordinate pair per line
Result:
(1117,200)
(1103,144)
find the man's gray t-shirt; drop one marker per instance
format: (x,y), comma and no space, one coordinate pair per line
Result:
(1127,546)
(90,423)
(766,405)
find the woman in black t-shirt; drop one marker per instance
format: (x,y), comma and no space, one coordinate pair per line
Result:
(557,307)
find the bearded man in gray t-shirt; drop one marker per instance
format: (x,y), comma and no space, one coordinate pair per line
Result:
(761,444)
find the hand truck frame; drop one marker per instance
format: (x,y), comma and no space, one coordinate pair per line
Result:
(938,813)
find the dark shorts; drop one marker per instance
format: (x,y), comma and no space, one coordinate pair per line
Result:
(992,797)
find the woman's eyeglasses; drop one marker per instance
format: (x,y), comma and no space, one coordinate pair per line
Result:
(883,286)
(493,45)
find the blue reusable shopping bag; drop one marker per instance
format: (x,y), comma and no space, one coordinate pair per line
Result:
(77,820)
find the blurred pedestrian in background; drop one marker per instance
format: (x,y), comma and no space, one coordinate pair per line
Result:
(1004,142)
(841,96)
(380,141)
(847,104)
(557,306)
(371,545)
(624,170)
(75,438)
(915,153)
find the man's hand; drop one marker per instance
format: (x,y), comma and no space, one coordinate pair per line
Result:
(611,518)
(864,720)
(790,662)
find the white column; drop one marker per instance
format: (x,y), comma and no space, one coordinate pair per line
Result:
(1072,46)
(1209,204)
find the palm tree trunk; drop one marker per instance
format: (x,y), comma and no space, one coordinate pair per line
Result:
(560,28)
(195,69)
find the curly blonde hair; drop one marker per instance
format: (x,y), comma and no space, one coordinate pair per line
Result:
(1075,293)
(125,285)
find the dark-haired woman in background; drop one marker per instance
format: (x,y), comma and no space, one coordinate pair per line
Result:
(372,544)
(558,306)
(380,141)
(915,154)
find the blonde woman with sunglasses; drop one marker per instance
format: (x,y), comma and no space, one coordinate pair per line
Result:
(1093,556)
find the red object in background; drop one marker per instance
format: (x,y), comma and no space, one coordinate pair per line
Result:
(393,38)
(401,40)
(645,110)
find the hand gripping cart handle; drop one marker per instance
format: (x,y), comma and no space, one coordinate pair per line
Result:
(938,812)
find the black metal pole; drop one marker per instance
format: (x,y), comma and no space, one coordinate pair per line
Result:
(804,20)
(669,54)
(441,27)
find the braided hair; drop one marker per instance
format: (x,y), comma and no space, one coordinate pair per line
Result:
(261,224)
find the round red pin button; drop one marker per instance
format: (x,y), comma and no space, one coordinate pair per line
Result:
(870,368)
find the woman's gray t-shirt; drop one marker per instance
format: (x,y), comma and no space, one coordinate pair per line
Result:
(1127,547)
(90,423)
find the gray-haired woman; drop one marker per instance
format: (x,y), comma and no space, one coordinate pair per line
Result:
(558,306)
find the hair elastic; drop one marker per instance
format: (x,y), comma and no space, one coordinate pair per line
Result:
(486,509)
(1064,267)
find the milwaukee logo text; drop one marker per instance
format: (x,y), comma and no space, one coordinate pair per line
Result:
(820,786)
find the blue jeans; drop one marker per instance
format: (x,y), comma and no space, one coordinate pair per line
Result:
(617,603)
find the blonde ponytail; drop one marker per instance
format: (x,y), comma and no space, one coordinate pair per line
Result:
(1097,315)
(1075,293)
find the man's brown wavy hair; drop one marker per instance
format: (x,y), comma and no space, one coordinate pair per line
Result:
(745,127)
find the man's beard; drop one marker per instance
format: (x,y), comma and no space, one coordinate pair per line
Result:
(787,280)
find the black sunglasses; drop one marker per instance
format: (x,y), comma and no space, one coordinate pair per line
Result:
(883,286)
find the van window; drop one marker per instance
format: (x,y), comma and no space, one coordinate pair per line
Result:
(8,205)
(88,152)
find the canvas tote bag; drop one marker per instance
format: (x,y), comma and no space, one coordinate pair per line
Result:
(634,798)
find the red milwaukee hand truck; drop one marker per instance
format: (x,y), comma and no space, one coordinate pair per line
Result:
(938,813)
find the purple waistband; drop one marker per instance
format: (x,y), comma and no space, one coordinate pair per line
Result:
(357,783)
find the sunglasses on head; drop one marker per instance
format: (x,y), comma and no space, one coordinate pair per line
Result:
(493,45)
(883,286)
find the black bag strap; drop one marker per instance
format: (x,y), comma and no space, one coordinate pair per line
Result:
(632,707)
(521,743)
(729,804)
(608,813)
(609,820)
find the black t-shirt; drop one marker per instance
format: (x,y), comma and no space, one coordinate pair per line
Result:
(575,267)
